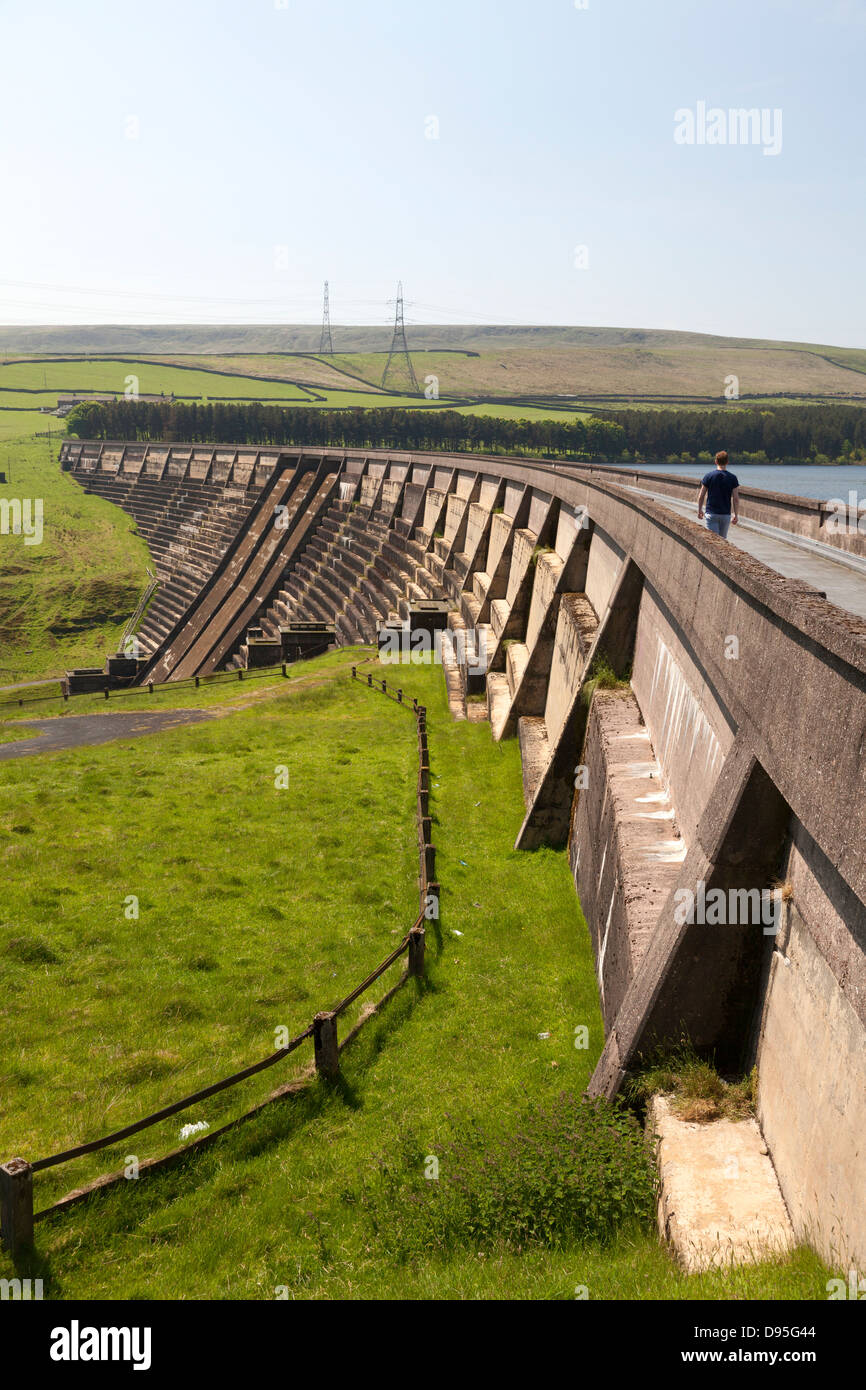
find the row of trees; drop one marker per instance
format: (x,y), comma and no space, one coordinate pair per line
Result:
(252,423)
(777,434)
(768,435)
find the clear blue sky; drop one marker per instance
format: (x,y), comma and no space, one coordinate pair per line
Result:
(281,144)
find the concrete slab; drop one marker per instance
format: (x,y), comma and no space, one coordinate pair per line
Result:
(719,1199)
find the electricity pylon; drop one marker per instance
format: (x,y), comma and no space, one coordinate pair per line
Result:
(326,345)
(399,346)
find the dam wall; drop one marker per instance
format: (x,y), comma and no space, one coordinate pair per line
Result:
(719,760)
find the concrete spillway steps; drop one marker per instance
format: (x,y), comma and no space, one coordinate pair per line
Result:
(498,701)
(499,610)
(625,850)
(480,584)
(534,753)
(719,1199)
(426,583)
(454,681)
(516,661)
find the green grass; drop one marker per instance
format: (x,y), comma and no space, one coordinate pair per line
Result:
(225,687)
(109,374)
(9,733)
(16,425)
(28,385)
(261,916)
(63,602)
(192,988)
(525,412)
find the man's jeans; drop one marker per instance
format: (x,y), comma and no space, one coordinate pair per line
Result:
(719,524)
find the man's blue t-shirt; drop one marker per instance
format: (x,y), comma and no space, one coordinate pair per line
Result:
(719,484)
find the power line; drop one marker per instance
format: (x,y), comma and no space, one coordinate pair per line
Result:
(399,346)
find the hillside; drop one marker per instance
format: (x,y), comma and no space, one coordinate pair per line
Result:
(304,338)
(524,365)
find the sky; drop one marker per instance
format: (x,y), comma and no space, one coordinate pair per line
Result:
(215,161)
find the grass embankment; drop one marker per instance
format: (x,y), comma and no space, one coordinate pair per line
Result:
(64,601)
(258,907)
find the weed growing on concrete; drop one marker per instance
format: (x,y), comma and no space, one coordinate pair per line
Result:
(699,1093)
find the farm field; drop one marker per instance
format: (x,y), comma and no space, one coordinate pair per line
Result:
(26,387)
(108,1017)
(671,372)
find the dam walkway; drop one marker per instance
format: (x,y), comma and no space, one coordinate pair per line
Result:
(837,574)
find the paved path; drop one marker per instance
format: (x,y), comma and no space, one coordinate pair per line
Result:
(841,577)
(28,685)
(79,730)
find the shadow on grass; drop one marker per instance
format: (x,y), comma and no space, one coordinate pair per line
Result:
(118,1208)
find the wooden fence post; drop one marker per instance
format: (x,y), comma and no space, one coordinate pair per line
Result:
(16,1205)
(428,860)
(416,951)
(325,1045)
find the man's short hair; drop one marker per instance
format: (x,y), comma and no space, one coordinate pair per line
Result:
(722,458)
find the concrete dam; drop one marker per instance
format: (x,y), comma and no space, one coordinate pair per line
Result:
(690,714)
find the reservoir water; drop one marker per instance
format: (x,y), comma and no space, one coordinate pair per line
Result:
(800,480)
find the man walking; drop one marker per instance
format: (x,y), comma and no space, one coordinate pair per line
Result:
(721,493)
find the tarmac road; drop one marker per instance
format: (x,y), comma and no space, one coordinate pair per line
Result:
(81,730)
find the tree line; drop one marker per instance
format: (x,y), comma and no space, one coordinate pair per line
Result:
(823,433)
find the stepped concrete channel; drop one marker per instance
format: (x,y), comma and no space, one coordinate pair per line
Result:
(711,801)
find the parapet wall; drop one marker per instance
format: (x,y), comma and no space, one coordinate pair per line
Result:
(802,516)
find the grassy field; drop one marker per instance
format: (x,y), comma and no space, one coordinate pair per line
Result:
(63,602)
(320,372)
(26,386)
(263,916)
